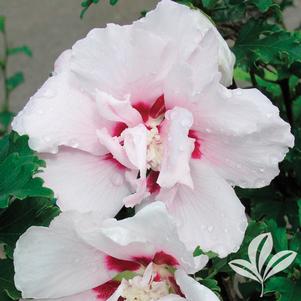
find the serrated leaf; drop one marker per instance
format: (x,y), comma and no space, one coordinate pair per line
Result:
(14,81)
(22,49)
(260,41)
(246,269)
(18,165)
(15,220)
(278,263)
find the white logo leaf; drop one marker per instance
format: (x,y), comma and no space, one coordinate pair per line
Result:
(265,251)
(246,269)
(278,263)
(253,269)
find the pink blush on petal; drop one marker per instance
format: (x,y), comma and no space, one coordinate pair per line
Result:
(120,265)
(117,164)
(163,258)
(106,290)
(196,154)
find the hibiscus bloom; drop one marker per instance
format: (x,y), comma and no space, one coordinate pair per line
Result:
(83,257)
(141,113)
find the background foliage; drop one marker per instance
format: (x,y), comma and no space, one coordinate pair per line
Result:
(268,58)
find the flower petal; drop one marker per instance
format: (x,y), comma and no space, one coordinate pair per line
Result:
(113,145)
(242,135)
(150,231)
(210,215)
(114,109)
(84,182)
(185,29)
(89,295)
(55,262)
(59,114)
(177,148)
(121,60)
(193,290)
(135,144)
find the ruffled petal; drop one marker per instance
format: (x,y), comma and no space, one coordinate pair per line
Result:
(150,231)
(112,144)
(135,144)
(210,215)
(177,148)
(121,60)
(242,135)
(59,114)
(55,262)
(84,182)
(193,290)
(185,29)
(117,110)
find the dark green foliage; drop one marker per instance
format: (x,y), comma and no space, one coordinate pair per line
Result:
(18,163)
(24,202)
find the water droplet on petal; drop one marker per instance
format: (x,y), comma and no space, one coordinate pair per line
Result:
(238,92)
(228,93)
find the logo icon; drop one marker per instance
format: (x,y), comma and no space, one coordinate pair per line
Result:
(259,251)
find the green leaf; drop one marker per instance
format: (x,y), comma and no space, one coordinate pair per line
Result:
(209,3)
(5,120)
(279,236)
(287,289)
(22,214)
(212,284)
(113,2)
(22,49)
(2,24)
(263,5)
(8,290)
(18,165)
(14,81)
(267,43)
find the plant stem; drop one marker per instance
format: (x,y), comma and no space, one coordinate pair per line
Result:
(284,84)
(5,107)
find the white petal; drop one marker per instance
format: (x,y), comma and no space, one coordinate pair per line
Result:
(62,63)
(86,296)
(84,182)
(151,230)
(113,146)
(135,144)
(193,290)
(210,215)
(59,114)
(55,262)
(177,148)
(185,28)
(114,109)
(121,60)
(242,135)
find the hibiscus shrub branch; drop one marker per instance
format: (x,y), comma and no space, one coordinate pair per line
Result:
(9,82)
